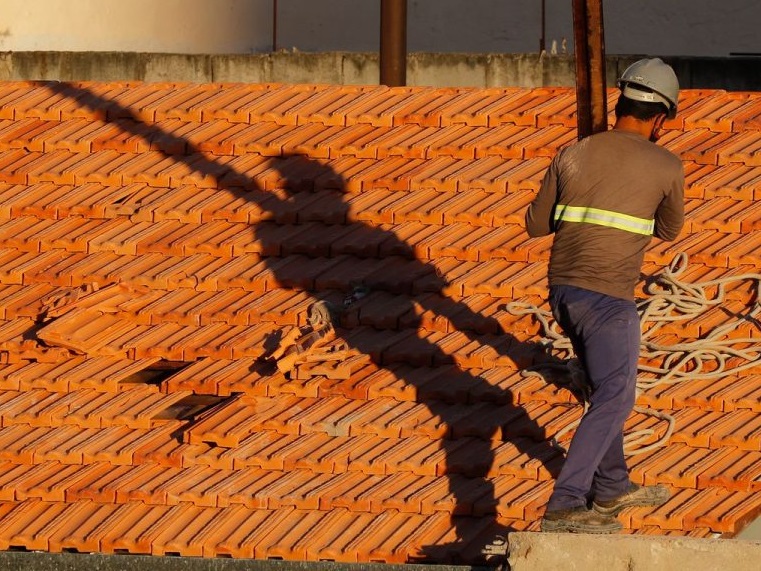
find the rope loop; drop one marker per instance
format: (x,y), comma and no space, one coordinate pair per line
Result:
(716,354)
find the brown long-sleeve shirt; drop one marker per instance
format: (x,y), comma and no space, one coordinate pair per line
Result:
(604,197)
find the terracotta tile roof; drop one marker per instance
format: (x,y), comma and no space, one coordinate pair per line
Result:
(159,242)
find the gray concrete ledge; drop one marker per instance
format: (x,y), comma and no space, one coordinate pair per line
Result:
(579,552)
(528,552)
(18,561)
(351,68)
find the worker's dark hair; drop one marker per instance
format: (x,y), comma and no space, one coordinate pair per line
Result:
(641,110)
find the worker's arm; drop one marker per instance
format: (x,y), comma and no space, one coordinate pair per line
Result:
(540,212)
(669,218)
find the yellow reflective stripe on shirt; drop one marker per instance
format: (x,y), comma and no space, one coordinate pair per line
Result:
(607,218)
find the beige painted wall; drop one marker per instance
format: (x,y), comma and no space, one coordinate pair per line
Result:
(175,26)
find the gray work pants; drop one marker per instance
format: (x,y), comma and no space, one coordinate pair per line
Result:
(605,333)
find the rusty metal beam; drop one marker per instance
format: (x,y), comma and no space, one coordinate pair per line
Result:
(590,67)
(393,43)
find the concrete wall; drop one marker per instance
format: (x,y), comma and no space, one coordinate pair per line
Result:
(440,70)
(668,28)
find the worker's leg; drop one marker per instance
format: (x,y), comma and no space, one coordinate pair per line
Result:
(607,331)
(612,476)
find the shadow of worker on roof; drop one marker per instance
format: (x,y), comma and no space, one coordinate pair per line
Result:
(344,254)
(377,259)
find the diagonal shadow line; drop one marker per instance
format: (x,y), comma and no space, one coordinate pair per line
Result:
(472,457)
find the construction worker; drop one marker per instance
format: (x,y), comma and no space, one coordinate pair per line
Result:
(604,197)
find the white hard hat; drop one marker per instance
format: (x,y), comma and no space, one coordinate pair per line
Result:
(658,79)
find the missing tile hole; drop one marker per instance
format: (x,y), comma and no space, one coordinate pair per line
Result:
(157,373)
(190,407)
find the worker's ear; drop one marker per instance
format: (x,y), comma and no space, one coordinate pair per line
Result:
(658,121)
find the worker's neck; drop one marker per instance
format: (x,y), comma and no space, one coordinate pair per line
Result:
(632,125)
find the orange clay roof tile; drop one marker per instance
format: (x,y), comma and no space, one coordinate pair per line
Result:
(146,417)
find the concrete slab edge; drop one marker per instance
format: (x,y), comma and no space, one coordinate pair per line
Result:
(582,552)
(42,561)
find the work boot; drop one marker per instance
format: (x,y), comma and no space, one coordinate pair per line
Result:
(579,520)
(635,496)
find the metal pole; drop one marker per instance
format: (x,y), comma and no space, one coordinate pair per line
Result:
(274,25)
(596,53)
(590,67)
(542,40)
(393,43)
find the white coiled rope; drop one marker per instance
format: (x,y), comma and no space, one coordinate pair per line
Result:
(669,299)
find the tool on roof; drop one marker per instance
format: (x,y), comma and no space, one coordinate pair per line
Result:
(358,291)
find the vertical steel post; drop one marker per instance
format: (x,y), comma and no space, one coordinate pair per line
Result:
(393,43)
(274,25)
(542,40)
(590,67)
